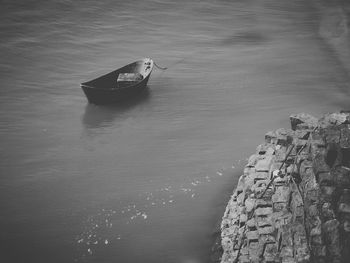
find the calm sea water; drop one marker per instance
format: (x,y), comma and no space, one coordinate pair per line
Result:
(148,180)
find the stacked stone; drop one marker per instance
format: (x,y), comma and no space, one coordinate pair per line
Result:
(292,203)
(325,184)
(264,222)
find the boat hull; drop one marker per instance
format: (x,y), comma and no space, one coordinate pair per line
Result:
(108,96)
(119,85)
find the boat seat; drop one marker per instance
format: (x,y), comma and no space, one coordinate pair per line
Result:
(129,77)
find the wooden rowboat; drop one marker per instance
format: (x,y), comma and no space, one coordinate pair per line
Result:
(119,84)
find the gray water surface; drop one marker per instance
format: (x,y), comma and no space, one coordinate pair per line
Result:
(145,181)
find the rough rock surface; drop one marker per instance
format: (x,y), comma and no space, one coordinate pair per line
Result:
(292,203)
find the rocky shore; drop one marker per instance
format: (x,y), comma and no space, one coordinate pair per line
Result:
(292,203)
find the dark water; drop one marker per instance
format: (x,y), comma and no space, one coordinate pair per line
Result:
(145,181)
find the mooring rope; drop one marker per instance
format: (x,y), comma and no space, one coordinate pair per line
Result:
(159,66)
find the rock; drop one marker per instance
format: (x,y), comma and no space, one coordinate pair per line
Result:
(312,192)
(287,254)
(344,202)
(259,187)
(240,198)
(320,165)
(327,193)
(254,252)
(229,232)
(332,135)
(281,194)
(345,137)
(270,253)
(277,207)
(297,207)
(316,231)
(252,160)
(263,211)
(261,203)
(318,148)
(344,208)
(226,243)
(252,235)
(325,178)
(243,218)
(264,221)
(335,119)
(327,212)
(304,215)
(281,181)
(265,149)
(342,177)
(346,226)
(302,134)
(312,210)
(304,167)
(249,204)
(266,230)
(270,137)
(251,224)
(264,164)
(261,175)
(319,252)
(330,229)
(301,118)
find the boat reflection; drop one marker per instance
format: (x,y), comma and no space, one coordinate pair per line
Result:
(101,116)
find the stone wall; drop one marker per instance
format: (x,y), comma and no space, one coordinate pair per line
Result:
(292,203)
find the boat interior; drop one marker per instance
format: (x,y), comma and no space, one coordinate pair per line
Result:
(123,77)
